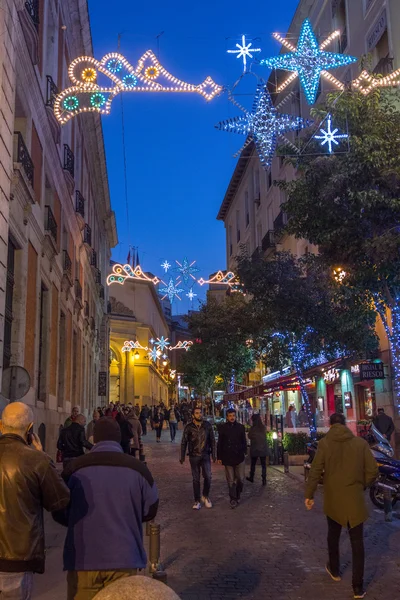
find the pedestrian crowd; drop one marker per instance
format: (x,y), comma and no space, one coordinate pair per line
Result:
(104,493)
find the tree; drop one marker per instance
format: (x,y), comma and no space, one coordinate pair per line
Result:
(349,204)
(301,316)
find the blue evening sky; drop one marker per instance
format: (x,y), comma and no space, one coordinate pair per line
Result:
(179,165)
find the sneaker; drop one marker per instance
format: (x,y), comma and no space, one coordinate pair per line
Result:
(234,503)
(334,577)
(250,479)
(197,506)
(359,593)
(207,502)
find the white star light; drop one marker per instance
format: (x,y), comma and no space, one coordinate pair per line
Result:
(191,295)
(166,266)
(244,51)
(330,137)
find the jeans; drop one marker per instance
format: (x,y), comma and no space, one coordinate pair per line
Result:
(263,461)
(172,428)
(159,430)
(234,477)
(357,547)
(16,586)
(84,585)
(203,463)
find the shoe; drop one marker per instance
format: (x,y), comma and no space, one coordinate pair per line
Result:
(207,502)
(264,482)
(334,577)
(234,503)
(359,593)
(250,479)
(197,506)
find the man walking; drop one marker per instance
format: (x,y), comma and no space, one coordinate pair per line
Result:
(112,493)
(73,417)
(90,427)
(173,417)
(231,452)
(384,424)
(144,415)
(72,440)
(348,467)
(198,438)
(29,483)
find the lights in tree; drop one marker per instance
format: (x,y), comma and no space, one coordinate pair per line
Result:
(339,274)
(309,61)
(186,270)
(264,125)
(166,266)
(123,272)
(221,278)
(172,290)
(366,82)
(243,51)
(191,295)
(147,76)
(97,100)
(329,136)
(162,343)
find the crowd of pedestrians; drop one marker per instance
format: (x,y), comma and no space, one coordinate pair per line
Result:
(103,483)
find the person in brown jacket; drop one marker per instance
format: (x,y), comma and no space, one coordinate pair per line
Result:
(348,467)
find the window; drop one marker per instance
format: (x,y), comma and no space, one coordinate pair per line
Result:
(43,345)
(339,16)
(237,226)
(246,208)
(8,319)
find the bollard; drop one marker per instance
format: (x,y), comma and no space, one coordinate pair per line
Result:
(142,456)
(286,461)
(387,505)
(154,553)
(148,525)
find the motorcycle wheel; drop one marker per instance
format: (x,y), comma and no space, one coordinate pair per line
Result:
(376,496)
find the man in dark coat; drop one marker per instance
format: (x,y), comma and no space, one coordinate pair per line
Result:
(348,467)
(231,452)
(384,424)
(72,440)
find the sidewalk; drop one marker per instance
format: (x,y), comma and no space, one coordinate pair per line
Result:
(296,472)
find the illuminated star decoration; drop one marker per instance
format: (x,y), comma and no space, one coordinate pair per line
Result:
(172,290)
(264,125)
(162,343)
(330,137)
(154,354)
(191,295)
(244,51)
(186,270)
(166,266)
(308,61)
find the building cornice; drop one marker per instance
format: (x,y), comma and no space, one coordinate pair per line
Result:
(235,181)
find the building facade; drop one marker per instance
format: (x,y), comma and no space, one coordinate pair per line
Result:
(57,226)
(251,209)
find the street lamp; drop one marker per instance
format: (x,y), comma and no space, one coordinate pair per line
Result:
(137,355)
(165,362)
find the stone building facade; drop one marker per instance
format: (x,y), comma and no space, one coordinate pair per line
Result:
(56,223)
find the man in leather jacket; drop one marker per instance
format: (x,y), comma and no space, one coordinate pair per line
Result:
(198,438)
(29,482)
(232,449)
(72,440)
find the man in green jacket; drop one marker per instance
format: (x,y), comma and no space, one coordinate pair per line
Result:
(348,468)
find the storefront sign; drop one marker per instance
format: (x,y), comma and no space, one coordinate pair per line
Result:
(355,369)
(371,371)
(331,375)
(348,400)
(377,31)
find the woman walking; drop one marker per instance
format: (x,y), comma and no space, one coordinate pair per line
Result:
(258,448)
(158,422)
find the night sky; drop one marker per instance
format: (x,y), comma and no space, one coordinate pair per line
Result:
(179,165)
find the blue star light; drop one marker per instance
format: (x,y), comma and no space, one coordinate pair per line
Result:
(154,354)
(330,137)
(186,269)
(264,125)
(162,343)
(309,60)
(172,290)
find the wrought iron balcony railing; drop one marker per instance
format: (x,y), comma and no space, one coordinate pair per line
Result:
(268,241)
(32,7)
(101,292)
(79,204)
(69,160)
(86,309)
(67,264)
(51,223)
(87,235)
(384,66)
(22,156)
(78,290)
(97,276)
(280,221)
(93,259)
(51,91)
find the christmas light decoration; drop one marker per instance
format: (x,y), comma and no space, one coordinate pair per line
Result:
(264,125)
(172,290)
(366,82)
(392,329)
(243,51)
(221,278)
(147,76)
(166,266)
(186,270)
(339,274)
(191,295)
(154,354)
(162,343)
(131,345)
(330,137)
(97,99)
(308,61)
(185,345)
(123,272)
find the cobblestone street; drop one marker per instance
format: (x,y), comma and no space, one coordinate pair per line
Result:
(268,548)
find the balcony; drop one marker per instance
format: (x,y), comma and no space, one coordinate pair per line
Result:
(97,276)
(280,222)
(101,292)
(92,323)
(67,265)
(78,295)
(69,160)
(384,66)
(51,224)
(51,92)
(93,259)
(86,309)
(22,157)
(87,235)
(32,8)
(268,241)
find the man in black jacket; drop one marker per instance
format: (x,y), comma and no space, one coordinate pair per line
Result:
(198,437)
(73,440)
(29,482)
(384,424)
(232,448)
